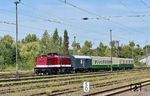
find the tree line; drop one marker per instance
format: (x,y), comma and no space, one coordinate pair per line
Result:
(32,46)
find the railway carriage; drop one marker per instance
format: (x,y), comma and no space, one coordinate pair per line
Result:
(99,63)
(81,63)
(125,63)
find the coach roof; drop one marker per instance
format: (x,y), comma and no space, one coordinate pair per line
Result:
(83,57)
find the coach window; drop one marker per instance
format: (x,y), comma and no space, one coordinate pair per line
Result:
(120,61)
(106,62)
(81,61)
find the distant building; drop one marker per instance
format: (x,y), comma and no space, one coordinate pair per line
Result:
(145,59)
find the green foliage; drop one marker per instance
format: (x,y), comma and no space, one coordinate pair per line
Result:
(66,43)
(50,44)
(139,64)
(28,53)
(56,37)
(115,48)
(76,48)
(100,50)
(2,63)
(131,44)
(86,49)
(7,52)
(148,49)
(30,38)
(44,43)
(126,52)
(55,43)
(107,52)
(31,46)
(54,48)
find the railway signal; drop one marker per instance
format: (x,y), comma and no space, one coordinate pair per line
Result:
(86,86)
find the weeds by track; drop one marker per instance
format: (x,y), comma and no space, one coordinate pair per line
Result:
(65,79)
(53,78)
(9,75)
(64,82)
(119,90)
(6,78)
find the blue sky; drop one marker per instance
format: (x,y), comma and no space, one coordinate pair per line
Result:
(33,16)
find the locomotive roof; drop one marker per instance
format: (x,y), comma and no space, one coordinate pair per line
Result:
(83,57)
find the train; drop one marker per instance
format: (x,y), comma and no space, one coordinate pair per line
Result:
(54,63)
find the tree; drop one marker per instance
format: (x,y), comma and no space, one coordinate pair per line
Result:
(138,52)
(55,42)
(60,44)
(146,47)
(2,63)
(107,52)
(76,47)
(131,44)
(86,49)
(28,53)
(126,52)
(66,43)
(30,38)
(7,51)
(115,45)
(56,37)
(45,43)
(100,50)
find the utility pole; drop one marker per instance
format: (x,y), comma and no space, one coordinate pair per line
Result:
(17,73)
(132,52)
(146,54)
(74,45)
(111,49)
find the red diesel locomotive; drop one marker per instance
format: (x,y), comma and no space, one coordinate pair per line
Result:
(53,64)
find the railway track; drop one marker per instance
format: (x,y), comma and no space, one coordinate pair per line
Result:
(96,85)
(122,89)
(52,78)
(33,76)
(65,79)
(79,88)
(44,86)
(13,82)
(67,90)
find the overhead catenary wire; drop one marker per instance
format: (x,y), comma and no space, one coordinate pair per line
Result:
(101,17)
(35,17)
(105,18)
(81,9)
(137,15)
(144,3)
(119,25)
(24,26)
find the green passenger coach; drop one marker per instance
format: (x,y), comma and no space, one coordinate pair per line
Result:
(104,63)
